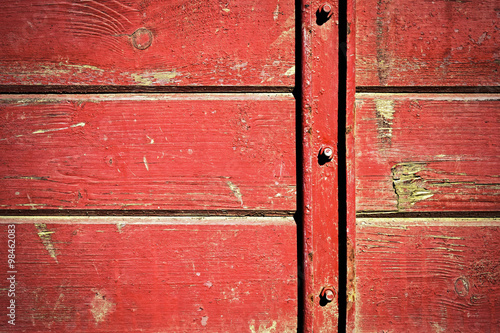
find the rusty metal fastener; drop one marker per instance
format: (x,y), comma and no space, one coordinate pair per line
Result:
(328,293)
(327,153)
(326,9)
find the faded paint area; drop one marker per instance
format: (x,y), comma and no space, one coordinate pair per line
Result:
(100,306)
(408,185)
(385,115)
(290,71)
(263,328)
(46,237)
(236,191)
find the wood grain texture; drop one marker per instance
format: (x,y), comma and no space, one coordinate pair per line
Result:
(172,152)
(153,274)
(433,152)
(147,43)
(428,275)
(427,43)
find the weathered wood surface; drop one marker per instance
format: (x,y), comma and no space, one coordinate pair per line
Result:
(427,43)
(145,43)
(319,130)
(152,274)
(431,152)
(428,275)
(172,152)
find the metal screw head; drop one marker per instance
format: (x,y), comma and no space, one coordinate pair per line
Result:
(326,9)
(326,154)
(328,293)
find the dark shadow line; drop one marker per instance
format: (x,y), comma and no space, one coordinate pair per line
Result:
(299,169)
(144,212)
(342,166)
(439,214)
(429,90)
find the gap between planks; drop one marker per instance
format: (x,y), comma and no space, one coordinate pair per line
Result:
(429,89)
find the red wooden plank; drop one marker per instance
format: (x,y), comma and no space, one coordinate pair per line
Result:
(427,43)
(350,186)
(427,152)
(320,39)
(428,275)
(152,274)
(174,152)
(144,43)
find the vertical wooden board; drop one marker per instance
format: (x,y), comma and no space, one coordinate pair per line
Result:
(161,151)
(427,43)
(147,43)
(151,274)
(428,275)
(430,152)
(320,39)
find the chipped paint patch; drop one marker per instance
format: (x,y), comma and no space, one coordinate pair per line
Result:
(204,320)
(58,129)
(408,185)
(46,237)
(236,191)
(276,11)
(165,76)
(100,306)
(120,226)
(385,115)
(146,81)
(263,327)
(290,71)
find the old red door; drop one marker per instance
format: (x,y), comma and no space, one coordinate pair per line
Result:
(148,166)
(424,245)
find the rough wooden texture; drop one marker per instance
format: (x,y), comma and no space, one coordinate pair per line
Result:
(182,152)
(427,43)
(320,38)
(427,152)
(350,158)
(153,274)
(147,43)
(428,275)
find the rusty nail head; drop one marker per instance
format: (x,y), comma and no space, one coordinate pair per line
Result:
(326,7)
(327,153)
(328,293)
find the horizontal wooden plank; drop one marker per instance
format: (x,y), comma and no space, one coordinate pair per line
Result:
(144,43)
(172,275)
(427,43)
(428,275)
(427,152)
(172,152)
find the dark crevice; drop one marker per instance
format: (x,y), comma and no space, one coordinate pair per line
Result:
(342,165)
(140,212)
(428,90)
(299,168)
(439,214)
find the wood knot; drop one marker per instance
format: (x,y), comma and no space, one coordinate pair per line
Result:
(142,38)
